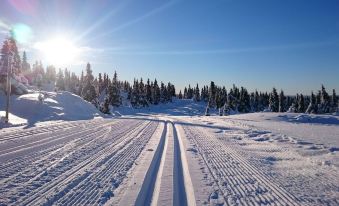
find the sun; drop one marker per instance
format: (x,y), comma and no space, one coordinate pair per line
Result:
(59,51)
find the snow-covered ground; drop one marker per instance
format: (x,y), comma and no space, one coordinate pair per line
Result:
(29,111)
(167,155)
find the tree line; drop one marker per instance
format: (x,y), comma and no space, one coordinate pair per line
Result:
(240,100)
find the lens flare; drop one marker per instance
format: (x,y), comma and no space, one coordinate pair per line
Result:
(22,33)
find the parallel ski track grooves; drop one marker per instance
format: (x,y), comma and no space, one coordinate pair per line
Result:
(147,191)
(179,193)
(20,159)
(45,141)
(284,153)
(228,165)
(148,186)
(30,162)
(12,135)
(115,163)
(73,176)
(15,165)
(40,177)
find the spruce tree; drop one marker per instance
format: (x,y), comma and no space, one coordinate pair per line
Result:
(207,111)
(312,104)
(256,104)
(274,101)
(163,93)
(104,107)
(156,92)
(324,100)
(60,83)
(282,102)
(88,91)
(197,94)
(226,108)
(301,104)
(334,101)
(244,101)
(211,95)
(180,95)
(185,93)
(148,92)
(115,91)
(25,67)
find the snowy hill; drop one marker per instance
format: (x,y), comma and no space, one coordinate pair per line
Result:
(28,109)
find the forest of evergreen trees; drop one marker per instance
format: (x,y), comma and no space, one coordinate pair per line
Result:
(240,100)
(103,91)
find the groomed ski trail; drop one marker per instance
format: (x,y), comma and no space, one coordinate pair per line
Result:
(168,181)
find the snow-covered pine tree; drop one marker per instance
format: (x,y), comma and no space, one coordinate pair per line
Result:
(244,101)
(292,108)
(312,105)
(170,91)
(274,101)
(142,93)
(255,105)
(148,92)
(226,108)
(115,91)
(104,107)
(129,93)
(74,83)
(50,74)
(218,99)
(301,104)
(88,92)
(189,92)
(223,95)
(9,47)
(207,111)
(196,94)
(135,94)
(81,83)
(60,83)
(324,101)
(282,101)
(296,102)
(100,84)
(180,95)
(204,94)
(211,95)
(334,101)
(163,93)
(156,92)
(185,93)
(25,67)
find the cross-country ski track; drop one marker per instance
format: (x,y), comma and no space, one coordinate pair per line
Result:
(135,160)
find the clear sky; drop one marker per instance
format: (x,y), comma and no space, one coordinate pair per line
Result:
(289,44)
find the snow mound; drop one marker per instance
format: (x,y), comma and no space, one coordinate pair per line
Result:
(48,106)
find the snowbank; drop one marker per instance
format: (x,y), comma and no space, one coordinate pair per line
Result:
(28,109)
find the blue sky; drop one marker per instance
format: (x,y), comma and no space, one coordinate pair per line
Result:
(289,44)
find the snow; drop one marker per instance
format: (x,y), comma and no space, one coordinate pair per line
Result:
(66,153)
(318,129)
(28,110)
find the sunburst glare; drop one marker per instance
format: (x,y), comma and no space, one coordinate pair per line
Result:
(59,51)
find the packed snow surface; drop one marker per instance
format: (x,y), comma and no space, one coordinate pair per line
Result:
(166,155)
